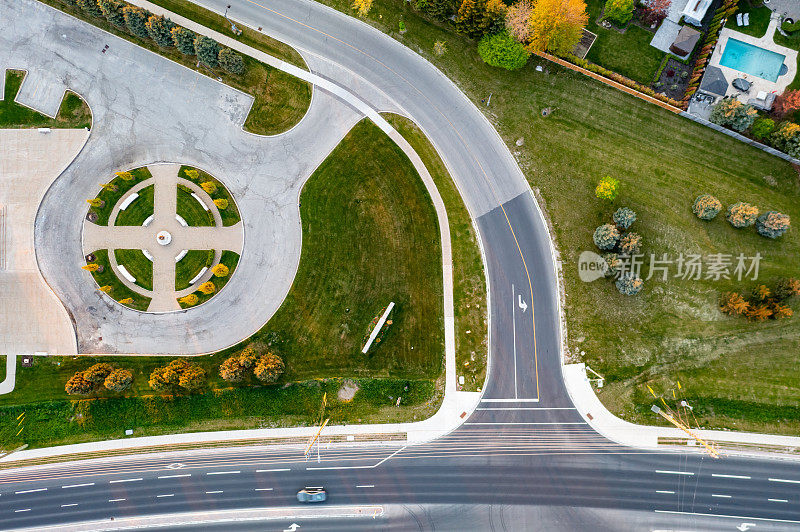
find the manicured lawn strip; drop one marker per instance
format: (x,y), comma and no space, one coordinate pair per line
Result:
(469,285)
(190,265)
(759,19)
(249,36)
(370,236)
(111,197)
(629,53)
(118,290)
(280,102)
(2,368)
(230,215)
(137,265)
(54,418)
(191,210)
(673,330)
(138,211)
(73,113)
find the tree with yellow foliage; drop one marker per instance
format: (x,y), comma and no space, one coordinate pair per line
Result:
(221,203)
(209,186)
(220,270)
(126,301)
(190,300)
(91,267)
(207,288)
(556,26)
(362,7)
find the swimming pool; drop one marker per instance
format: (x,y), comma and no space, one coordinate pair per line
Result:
(751,59)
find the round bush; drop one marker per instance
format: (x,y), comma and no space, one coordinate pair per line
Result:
(772,224)
(231,61)
(624,217)
(606,237)
(613,262)
(742,214)
(630,244)
(629,284)
(502,50)
(706,207)
(268,368)
(762,127)
(118,380)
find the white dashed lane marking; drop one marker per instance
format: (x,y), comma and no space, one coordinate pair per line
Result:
(125,480)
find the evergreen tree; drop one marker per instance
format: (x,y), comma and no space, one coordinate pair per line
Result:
(136,20)
(91,8)
(183,40)
(207,50)
(231,61)
(159,28)
(112,10)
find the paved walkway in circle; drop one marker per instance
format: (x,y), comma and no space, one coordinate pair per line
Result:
(165,182)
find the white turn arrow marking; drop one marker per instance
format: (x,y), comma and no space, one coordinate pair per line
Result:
(745,526)
(292,527)
(522,304)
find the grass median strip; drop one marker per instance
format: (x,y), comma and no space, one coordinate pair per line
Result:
(281,100)
(469,285)
(72,114)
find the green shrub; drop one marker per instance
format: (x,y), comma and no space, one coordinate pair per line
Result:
(790,27)
(706,207)
(159,29)
(97,373)
(619,11)
(268,368)
(624,217)
(607,188)
(772,224)
(733,114)
(112,10)
(629,284)
(136,20)
(613,262)
(91,8)
(231,61)
(502,50)
(207,50)
(606,237)
(787,138)
(762,127)
(742,214)
(118,380)
(183,40)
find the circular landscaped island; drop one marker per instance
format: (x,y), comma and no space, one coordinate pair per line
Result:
(162,238)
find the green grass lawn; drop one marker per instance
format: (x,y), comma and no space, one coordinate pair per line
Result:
(469,285)
(139,210)
(281,100)
(73,113)
(137,265)
(230,215)
(111,197)
(629,53)
(190,265)
(118,290)
(190,209)
(2,368)
(54,418)
(672,330)
(759,19)
(370,236)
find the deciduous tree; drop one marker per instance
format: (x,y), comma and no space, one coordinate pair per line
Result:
(97,203)
(91,267)
(619,11)
(220,270)
(607,189)
(786,103)
(269,368)
(118,380)
(207,288)
(362,7)
(733,304)
(126,301)
(78,385)
(125,176)
(97,373)
(556,26)
(786,288)
(209,186)
(192,378)
(518,20)
(232,369)
(734,114)
(221,203)
(654,11)
(190,300)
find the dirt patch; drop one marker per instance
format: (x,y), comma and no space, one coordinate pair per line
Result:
(348,390)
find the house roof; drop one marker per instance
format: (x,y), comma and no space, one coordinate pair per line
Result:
(714,81)
(696,9)
(685,41)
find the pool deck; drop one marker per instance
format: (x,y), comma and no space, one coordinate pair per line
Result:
(758,84)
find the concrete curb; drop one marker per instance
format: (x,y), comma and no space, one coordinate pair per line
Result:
(645,436)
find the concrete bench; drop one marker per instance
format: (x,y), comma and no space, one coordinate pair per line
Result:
(127,203)
(126,274)
(198,276)
(201,202)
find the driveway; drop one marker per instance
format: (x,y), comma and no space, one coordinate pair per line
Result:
(147,109)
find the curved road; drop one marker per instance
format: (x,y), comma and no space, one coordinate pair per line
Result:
(525,460)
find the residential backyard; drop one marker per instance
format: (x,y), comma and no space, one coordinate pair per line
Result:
(673,330)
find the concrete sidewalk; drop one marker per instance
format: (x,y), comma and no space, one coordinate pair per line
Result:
(646,436)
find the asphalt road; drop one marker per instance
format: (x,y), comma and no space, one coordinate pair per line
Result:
(525,460)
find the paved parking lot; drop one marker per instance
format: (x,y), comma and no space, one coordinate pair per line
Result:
(147,109)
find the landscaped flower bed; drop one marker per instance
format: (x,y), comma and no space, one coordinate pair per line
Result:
(221,196)
(101,205)
(219,279)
